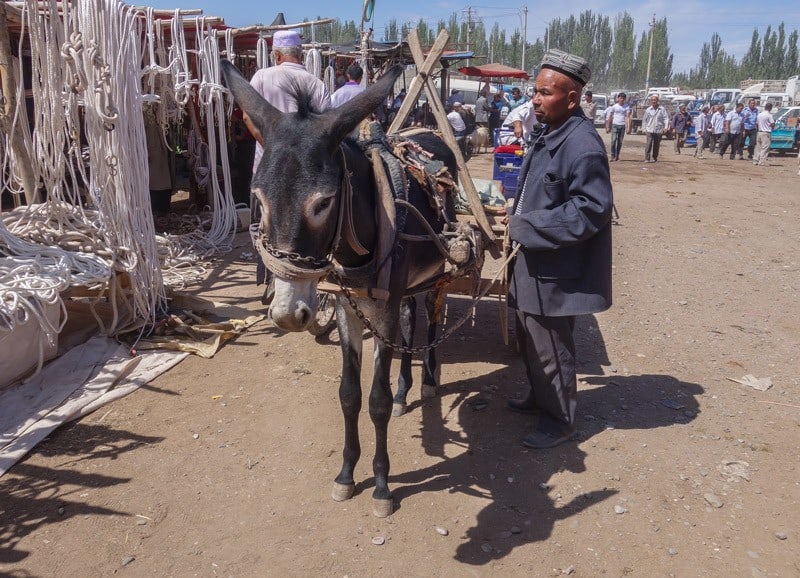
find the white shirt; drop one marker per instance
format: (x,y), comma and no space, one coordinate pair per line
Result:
(346,93)
(618,113)
(275,84)
(718,123)
(734,120)
(765,121)
(655,119)
(456,122)
(700,123)
(524,114)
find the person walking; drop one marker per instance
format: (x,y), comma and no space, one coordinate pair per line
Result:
(654,122)
(766,122)
(701,133)
(589,106)
(750,118)
(561,222)
(717,128)
(681,121)
(733,132)
(617,118)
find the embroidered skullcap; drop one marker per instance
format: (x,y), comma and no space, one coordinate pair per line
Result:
(456,104)
(285,39)
(573,66)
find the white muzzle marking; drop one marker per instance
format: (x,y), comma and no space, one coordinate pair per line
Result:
(294,305)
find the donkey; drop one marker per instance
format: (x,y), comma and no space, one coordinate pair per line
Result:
(310,175)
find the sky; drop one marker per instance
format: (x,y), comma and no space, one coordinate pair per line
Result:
(690,23)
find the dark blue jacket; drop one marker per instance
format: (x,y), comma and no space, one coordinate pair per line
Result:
(564,224)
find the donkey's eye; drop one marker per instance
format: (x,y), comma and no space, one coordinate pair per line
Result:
(323,204)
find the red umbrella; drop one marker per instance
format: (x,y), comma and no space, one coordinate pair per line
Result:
(494,70)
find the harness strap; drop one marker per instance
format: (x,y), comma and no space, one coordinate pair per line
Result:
(284,268)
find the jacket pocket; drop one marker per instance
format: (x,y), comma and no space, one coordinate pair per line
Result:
(565,263)
(554,187)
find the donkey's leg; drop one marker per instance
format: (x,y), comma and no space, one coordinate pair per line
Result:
(351,337)
(408,322)
(380,408)
(434,303)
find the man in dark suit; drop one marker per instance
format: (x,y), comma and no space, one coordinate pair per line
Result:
(562,220)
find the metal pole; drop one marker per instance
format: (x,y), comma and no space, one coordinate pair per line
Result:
(524,34)
(547,37)
(649,56)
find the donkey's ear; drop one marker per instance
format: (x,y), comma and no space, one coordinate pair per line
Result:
(247,98)
(347,117)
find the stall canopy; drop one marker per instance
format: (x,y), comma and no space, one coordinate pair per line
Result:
(494,71)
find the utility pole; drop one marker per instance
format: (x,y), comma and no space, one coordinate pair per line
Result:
(524,34)
(650,56)
(469,29)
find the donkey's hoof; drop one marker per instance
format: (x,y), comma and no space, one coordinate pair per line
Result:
(398,409)
(342,492)
(428,391)
(382,508)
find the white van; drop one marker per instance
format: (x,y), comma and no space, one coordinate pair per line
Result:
(469,88)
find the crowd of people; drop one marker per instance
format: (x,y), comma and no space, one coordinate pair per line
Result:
(717,131)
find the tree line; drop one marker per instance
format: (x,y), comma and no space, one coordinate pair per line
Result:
(618,57)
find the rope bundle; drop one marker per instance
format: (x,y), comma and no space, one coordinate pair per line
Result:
(92,72)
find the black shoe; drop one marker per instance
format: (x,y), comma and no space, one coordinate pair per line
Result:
(526,406)
(539,440)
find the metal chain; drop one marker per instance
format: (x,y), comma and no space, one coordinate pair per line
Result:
(402,348)
(294,257)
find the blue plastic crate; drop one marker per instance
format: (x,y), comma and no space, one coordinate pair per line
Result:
(506,170)
(505,163)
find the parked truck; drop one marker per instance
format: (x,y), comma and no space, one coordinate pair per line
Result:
(727,96)
(780,93)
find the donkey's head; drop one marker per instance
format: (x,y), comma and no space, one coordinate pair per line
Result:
(298,183)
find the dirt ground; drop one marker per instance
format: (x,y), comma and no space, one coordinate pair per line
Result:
(223,467)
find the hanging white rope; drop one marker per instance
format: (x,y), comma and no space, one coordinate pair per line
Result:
(313,62)
(88,77)
(262,52)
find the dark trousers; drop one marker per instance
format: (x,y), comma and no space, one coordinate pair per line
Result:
(548,349)
(617,134)
(752,134)
(734,141)
(653,145)
(716,139)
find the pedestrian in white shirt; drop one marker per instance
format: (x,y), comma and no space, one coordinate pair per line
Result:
(765,122)
(654,122)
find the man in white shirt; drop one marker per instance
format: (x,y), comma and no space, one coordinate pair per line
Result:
(276,82)
(766,122)
(700,123)
(654,122)
(616,122)
(351,88)
(519,123)
(717,128)
(733,132)
(458,125)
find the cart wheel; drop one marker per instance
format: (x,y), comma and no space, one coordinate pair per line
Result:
(326,315)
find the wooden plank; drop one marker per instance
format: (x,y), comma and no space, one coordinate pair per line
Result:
(447,134)
(418,83)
